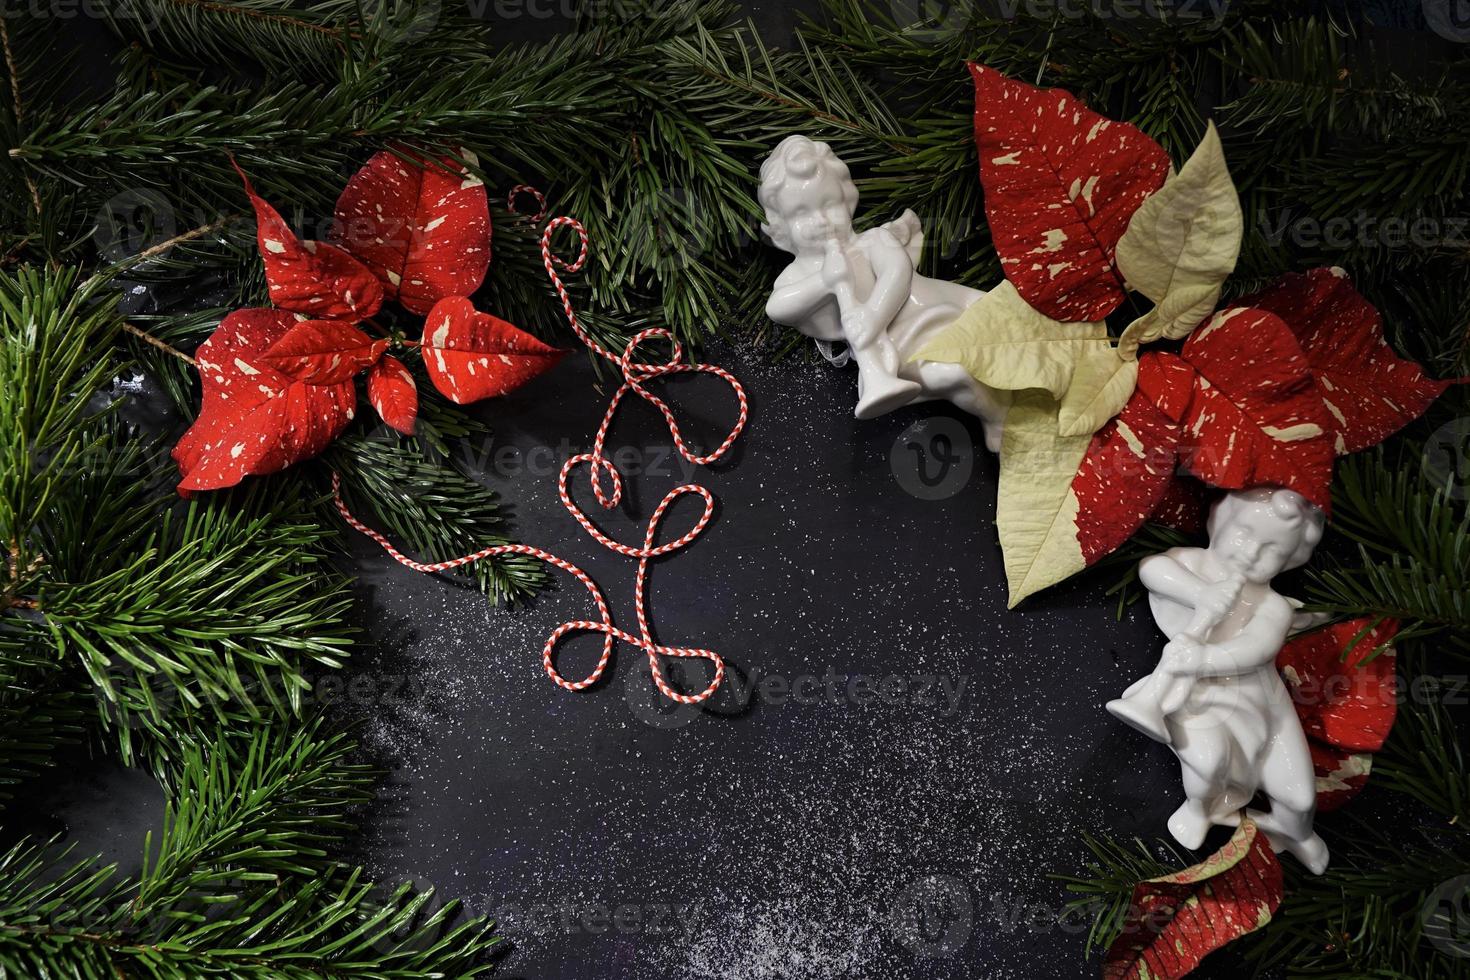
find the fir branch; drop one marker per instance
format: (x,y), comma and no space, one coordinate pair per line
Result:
(216,606)
(51,333)
(251,809)
(1413,553)
(425,500)
(1106,887)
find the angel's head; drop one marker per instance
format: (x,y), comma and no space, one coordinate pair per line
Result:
(1265,531)
(808,195)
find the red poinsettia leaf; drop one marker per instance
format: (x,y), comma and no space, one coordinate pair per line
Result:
(394,395)
(1128,466)
(254,419)
(1060,184)
(472,355)
(1370,391)
(1177,920)
(313,278)
(422,226)
(1185,505)
(1346,703)
(1167,381)
(323,352)
(1255,418)
(1340,774)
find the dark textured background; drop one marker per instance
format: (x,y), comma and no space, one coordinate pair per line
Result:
(755,839)
(795,839)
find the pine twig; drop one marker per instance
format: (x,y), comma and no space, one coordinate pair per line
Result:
(14,72)
(152,252)
(153,341)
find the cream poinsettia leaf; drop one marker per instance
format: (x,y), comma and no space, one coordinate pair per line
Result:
(1180,246)
(1006,343)
(1101,386)
(1036,512)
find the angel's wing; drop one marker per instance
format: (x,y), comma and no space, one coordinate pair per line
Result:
(910,231)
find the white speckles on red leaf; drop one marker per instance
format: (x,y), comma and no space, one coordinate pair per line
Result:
(310,277)
(1128,467)
(459,341)
(1068,172)
(1340,774)
(1255,418)
(1347,705)
(393,394)
(1175,921)
(1369,391)
(423,230)
(323,352)
(257,421)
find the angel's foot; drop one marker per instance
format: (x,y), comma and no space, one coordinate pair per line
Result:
(1190,824)
(1311,850)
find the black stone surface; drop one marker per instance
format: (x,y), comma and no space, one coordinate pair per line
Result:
(782,833)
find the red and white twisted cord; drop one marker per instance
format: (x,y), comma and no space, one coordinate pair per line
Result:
(634,376)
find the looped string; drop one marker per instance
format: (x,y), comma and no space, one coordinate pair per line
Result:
(517,191)
(636,374)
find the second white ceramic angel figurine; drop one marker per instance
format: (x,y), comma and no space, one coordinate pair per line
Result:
(1216,697)
(863,288)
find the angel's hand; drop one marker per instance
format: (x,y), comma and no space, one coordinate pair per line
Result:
(1183,654)
(836,270)
(1218,598)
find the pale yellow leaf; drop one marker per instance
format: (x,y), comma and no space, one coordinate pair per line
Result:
(1005,343)
(1180,246)
(1179,306)
(1100,388)
(1036,510)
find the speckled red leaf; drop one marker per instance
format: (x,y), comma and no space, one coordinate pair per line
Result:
(313,278)
(1340,774)
(1177,920)
(423,227)
(1370,392)
(254,419)
(1129,465)
(472,355)
(1167,381)
(1347,703)
(323,352)
(1255,417)
(1060,184)
(1184,505)
(394,395)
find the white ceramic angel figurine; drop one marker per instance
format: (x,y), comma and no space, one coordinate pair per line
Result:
(1216,698)
(863,289)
